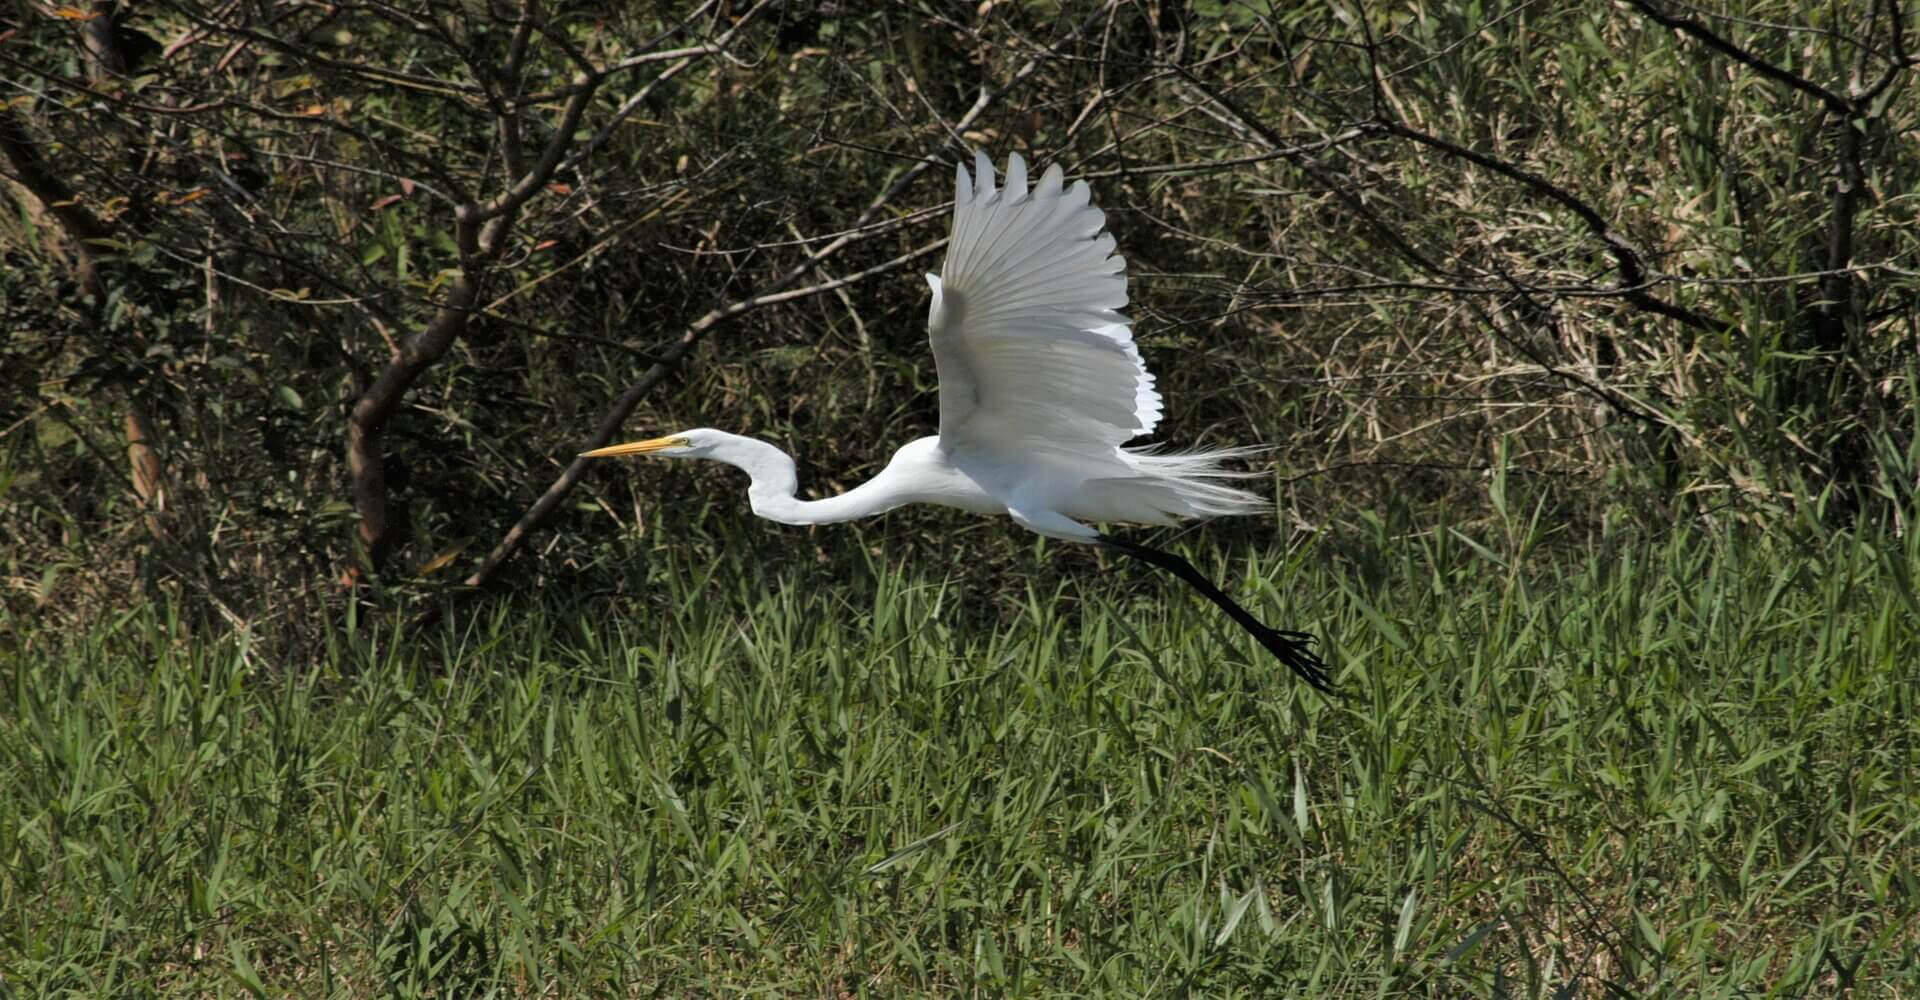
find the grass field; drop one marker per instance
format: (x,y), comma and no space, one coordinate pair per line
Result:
(1686,767)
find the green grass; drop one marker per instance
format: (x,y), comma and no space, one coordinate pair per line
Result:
(1685,767)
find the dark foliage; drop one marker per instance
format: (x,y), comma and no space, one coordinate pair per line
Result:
(309,301)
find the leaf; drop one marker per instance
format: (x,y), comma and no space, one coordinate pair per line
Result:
(911,849)
(1300,799)
(1652,935)
(243,970)
(1470,942)
(76,14)
(1762,759)
(1237,913)
(441,561)
(1387,629)
(1404,930)
(1270,807)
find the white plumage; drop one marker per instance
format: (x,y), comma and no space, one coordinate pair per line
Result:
(1041,387)
(1040,382)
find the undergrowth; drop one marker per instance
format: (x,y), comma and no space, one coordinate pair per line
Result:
(1674,766)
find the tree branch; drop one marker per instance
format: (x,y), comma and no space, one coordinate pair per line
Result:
(22,159)
(1694,29)
(1635,279)
(85,232)
(1837,284)
(1243,122)
(691,335)
(687,57)
(536,177)
(480,235)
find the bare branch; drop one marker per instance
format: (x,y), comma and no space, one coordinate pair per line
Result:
(22,159)
(691,336)
(480,231)
(537,176)
(794,294)
(1694,29)
(687,58)
(1635,278)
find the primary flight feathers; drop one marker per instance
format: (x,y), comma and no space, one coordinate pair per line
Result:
(1035,354)
(1026,322)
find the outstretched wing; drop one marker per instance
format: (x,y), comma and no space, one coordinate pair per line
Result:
(1026,324)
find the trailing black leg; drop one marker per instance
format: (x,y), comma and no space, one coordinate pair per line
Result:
(1290,647)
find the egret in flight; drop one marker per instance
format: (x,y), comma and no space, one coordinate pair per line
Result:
(1041,388)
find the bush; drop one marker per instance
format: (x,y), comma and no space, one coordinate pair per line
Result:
(323,304)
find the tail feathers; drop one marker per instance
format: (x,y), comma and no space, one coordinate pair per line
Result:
(1192,483)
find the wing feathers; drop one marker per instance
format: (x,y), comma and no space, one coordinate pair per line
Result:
(1050,183)
(1027,328)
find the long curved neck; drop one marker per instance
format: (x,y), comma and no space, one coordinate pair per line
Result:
(775,483)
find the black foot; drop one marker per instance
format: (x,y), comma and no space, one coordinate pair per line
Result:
(1291,648)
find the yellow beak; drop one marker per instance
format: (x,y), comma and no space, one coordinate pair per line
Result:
(636,448)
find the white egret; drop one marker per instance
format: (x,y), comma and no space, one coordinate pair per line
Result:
(1040,390)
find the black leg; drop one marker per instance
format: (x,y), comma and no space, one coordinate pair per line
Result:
(1290,647)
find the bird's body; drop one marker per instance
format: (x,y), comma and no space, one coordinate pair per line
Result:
(980,480)
(1041,388)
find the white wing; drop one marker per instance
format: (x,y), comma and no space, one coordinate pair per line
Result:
(1027,334)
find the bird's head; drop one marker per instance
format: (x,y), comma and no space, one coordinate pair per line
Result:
(698,443)
(771,469)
